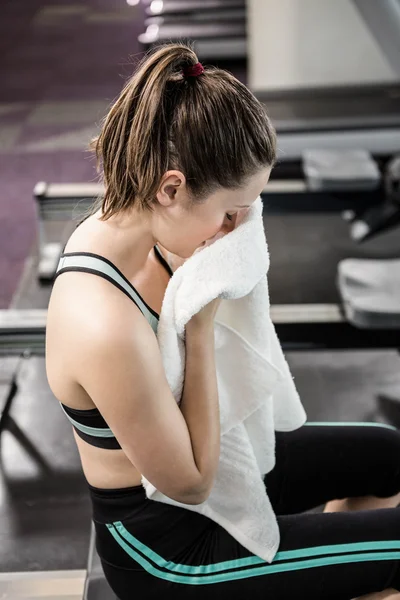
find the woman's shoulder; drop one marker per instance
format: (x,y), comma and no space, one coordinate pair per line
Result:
(82,301)
(88,316)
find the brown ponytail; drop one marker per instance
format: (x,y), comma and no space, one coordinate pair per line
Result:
(210,127)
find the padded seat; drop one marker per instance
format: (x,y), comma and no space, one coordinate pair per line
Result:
(370,291)
(333,170)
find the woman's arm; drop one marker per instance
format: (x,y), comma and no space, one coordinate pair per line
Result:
(200,405)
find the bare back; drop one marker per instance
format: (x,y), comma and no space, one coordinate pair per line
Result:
(83,298)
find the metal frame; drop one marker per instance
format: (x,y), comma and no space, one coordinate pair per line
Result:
(59,202)
(188,6)
(365,117)
(216,16)
(96,586)
(216,34)
(380,142)
(333,108)
(299,327)
(22,331)
(294,195)
(194,31)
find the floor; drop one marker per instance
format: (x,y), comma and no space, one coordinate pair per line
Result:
(44,507)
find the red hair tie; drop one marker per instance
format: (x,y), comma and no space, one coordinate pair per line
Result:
(193,71)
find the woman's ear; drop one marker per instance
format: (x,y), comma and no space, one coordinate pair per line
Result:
(171,182)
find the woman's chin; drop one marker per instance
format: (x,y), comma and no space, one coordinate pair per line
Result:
(184,255)
(190,252)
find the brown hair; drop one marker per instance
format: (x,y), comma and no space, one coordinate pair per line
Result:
(210,127)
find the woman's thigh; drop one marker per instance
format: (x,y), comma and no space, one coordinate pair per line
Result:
(317,463)
(329,556)
(335,556)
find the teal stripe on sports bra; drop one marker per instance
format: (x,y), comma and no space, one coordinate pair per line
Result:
(95,431)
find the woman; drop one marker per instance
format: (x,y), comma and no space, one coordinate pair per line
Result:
(185,151)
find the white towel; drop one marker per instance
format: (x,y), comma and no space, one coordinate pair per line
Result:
(256,391)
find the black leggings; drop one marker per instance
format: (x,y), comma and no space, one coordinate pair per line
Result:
(163,551)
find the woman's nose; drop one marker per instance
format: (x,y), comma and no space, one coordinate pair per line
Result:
(236,219)
(240,216)
(230,225)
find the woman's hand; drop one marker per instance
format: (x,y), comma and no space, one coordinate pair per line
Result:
(204,319)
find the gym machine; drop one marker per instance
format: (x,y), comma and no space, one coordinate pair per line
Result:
(337,119)
(367,223)
(216,28)
(336,180)
(195,12)
(211,41)
(172,7)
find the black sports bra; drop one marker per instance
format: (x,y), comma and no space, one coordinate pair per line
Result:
(89,424)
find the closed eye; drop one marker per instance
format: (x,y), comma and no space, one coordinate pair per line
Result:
(229,217)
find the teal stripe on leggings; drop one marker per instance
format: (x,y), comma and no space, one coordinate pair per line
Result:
(348,423)
(126,540)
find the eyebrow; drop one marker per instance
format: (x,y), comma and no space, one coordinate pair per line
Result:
(242,206)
